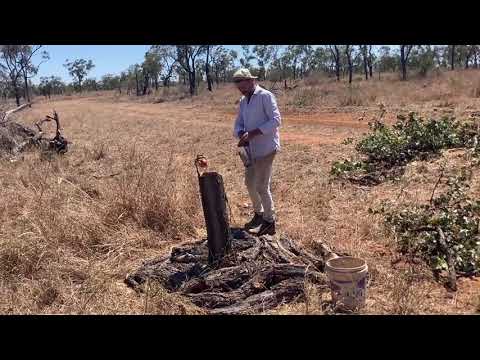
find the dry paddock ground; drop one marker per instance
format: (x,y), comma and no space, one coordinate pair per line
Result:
(72,227)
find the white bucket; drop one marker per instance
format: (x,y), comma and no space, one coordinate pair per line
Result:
(348,281)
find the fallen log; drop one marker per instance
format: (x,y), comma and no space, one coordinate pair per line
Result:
(10,112)
(284,292)
(16,138)
(257,274)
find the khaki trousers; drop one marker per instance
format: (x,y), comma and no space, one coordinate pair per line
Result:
(258,178)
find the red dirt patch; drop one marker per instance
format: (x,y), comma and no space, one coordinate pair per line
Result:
(347,120)
(316,139)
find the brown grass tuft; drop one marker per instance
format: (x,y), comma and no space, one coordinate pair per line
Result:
(154,195)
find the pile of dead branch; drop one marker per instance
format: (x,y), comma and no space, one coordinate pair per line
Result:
(258,274)
(16,138)
(387,150)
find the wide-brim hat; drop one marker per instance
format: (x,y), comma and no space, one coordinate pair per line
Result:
(243,74)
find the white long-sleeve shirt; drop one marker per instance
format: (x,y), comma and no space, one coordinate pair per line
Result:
(260,112)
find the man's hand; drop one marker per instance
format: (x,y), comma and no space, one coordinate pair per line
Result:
(243,139)
(247,136)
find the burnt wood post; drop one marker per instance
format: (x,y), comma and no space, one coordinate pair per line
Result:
(216,217)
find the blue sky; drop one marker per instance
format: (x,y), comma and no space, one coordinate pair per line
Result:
(107,58)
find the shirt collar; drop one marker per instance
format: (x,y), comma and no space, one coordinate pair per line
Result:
(257,89)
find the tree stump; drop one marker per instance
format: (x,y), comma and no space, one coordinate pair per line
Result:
(216,217)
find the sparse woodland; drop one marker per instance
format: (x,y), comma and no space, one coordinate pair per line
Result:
(208,66)
(380,159)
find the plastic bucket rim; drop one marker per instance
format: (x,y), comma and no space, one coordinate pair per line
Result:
(328,265)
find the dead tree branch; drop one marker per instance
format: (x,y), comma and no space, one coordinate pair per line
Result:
(10,112)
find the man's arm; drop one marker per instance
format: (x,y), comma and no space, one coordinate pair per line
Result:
(239,127)
(273,114)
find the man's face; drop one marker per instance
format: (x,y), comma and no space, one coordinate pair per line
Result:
(245,86)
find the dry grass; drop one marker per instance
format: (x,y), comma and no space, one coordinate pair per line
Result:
(73,227)
(353,97)
(68,236)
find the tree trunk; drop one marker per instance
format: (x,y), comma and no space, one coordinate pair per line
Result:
(156,82)
(207,69)
(17,95)
(136,81)
(349,61)
(191,80)
(27,93)
(469,56)
(216,77)
(403,62)
(453,58)
(336,58)
(370,62)
(146,80)
(365,61)
(198,81)
(475,63)
(337,63)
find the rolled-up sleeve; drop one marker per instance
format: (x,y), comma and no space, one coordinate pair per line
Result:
(273,114)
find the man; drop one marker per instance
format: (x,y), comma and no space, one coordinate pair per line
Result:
(256,127)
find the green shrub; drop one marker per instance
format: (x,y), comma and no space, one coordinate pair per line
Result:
(455,213)
(340,167)
(410,138)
